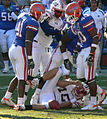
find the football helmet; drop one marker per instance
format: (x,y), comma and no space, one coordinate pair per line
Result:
(58,8)
(73,12)
(79,92)
(37,10)
(80,2)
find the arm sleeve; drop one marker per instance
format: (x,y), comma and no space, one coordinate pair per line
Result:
(88,24)
(48,30)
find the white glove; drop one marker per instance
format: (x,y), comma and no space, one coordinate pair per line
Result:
(33,83)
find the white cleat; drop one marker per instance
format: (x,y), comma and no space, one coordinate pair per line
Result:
(35,97)
(101,97)
(65,71)
(19,107)
(5,70)
(8,102)
(105,101)
(90,107)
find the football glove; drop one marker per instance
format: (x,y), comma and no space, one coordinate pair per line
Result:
(31,64)
(90,59)
(68,64)
(75,54)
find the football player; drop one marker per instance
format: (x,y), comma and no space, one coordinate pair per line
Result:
(84,27)
(8,18)
(50,26)
(20,52)
(69,94)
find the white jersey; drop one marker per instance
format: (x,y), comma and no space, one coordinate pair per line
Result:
(42,38)
(98,17)
(64,94)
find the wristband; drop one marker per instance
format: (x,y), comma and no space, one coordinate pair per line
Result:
(29,57)
(65,55)
(94,45)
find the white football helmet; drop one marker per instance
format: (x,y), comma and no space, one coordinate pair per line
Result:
(58,8)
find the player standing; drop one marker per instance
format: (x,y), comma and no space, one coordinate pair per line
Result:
(21,51)
(85,29)
(8,18)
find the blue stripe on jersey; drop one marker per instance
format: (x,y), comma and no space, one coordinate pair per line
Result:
(101,11)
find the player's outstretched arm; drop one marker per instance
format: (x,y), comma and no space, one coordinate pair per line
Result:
(64,83)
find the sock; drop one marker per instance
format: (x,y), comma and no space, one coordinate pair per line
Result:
(99,89)
(20,101)
(8,95)
(93,99)
(27,88)
(26,91)
(37,91)
(6,64)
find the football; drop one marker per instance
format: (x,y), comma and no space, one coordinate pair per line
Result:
(53,104)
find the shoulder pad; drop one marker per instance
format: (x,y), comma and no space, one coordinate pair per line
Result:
(87,11)
(101,11)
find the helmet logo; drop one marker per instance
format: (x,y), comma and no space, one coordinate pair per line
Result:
(73,9)
(55,4)
(39,9)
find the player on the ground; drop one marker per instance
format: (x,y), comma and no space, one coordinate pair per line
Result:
(69,94)
(21,51)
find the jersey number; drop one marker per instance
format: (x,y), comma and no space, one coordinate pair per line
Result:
(64,97)
(6,16)
(19,27)
(81,36)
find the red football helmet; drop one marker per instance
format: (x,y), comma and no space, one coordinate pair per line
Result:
(80,2)
(80,92)
(36,10)
(73,12)
(58,7)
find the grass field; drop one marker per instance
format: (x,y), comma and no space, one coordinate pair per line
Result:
(8,113)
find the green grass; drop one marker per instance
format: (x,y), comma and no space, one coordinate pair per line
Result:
(8,113)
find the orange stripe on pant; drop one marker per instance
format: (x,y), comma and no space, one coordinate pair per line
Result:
(25,70)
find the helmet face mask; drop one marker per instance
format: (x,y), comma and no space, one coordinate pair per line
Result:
(80,92)
(57,13)
(36,10)
(58,8)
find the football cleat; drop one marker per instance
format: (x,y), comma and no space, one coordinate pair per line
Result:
(5,70)
(91,106)
(35,97)
(65,71)
(101,97)
(19,107)
(9,102)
